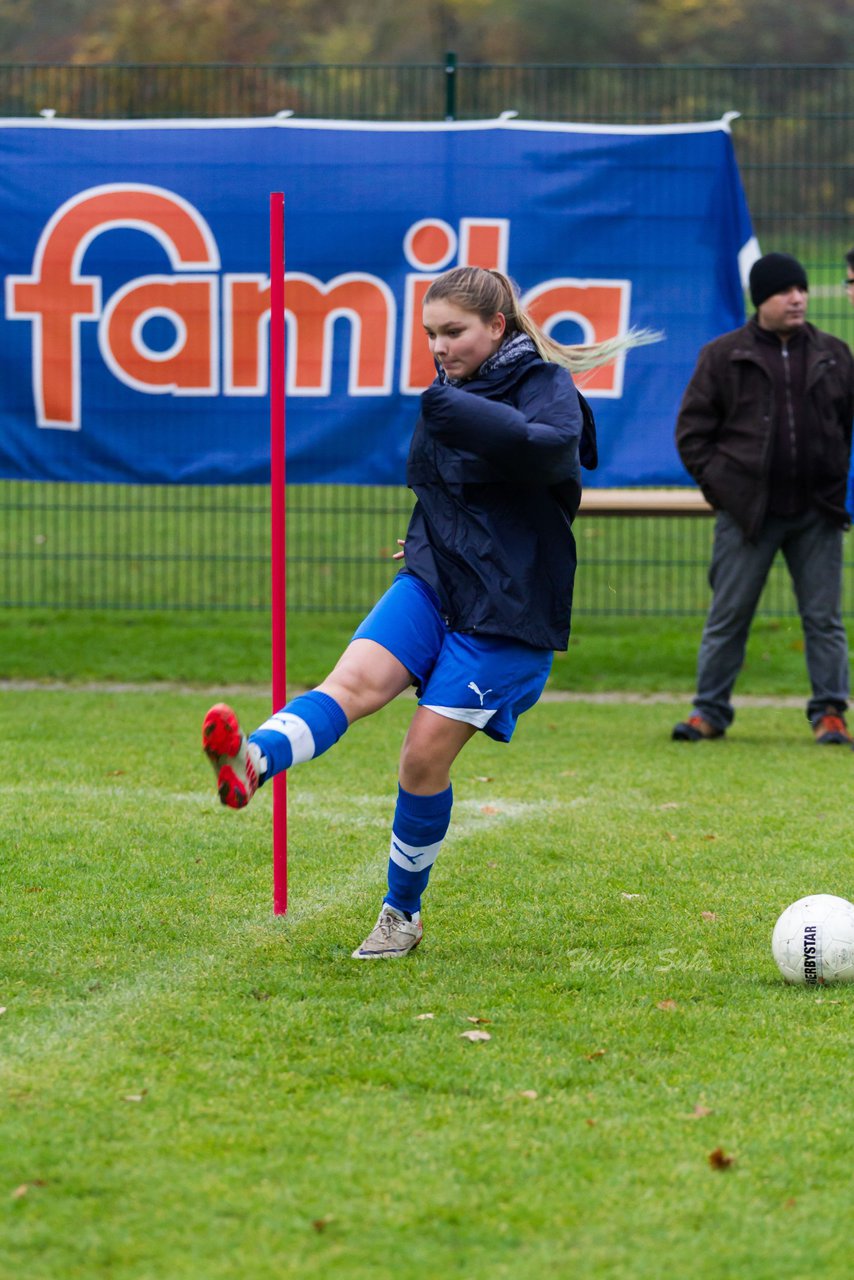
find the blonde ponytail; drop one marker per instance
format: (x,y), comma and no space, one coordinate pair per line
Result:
(486,292)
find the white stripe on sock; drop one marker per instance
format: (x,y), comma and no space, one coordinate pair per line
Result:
(295,729)
(413,857)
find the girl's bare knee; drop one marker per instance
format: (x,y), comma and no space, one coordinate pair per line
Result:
(365,678)
(423,778)
(429,749)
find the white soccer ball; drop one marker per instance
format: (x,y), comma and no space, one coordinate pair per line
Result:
(813,941)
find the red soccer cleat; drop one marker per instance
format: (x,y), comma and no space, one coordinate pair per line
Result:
(233,757)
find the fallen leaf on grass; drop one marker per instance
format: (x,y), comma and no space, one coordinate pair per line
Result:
(422,1017)
(482,778)
(718,1159)
(597,1053)
(116,773)
(667,1006)
(34,888)
(320,1224)
(475,1035)
(591,1122)
(135,1097)
(22,1190)
(710,835)
(486,1020)
(709,915)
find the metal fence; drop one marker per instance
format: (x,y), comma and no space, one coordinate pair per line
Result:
(137,547)
(173,547)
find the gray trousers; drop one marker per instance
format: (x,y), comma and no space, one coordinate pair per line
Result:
(812,549)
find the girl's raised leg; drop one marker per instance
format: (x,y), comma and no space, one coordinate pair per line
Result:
(365,678)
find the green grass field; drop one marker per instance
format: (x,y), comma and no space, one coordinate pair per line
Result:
(605,654)
(192,1088)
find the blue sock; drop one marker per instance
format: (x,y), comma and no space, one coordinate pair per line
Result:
(420,824)
(304,728)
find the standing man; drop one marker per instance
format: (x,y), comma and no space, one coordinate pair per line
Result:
(765,430)
(849,289)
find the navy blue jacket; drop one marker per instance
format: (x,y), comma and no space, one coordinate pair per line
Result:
(494,464)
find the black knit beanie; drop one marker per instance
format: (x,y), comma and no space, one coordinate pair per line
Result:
(773,274)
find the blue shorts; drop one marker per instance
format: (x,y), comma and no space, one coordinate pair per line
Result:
(487,681)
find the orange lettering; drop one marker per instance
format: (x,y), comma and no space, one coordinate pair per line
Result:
(246,328)
(190,366)
(600,307)
(311,309)
(56,297)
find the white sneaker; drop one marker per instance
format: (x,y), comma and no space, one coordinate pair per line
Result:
(392,935)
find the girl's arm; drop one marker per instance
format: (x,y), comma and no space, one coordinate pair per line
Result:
(534,442)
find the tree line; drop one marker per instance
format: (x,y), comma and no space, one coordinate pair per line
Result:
(483,31)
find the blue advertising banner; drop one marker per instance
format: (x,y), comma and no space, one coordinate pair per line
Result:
(134,335)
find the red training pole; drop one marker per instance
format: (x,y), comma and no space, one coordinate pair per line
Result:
(278,593)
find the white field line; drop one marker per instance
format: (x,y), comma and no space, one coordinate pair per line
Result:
(91,791)
(358,812)
(202,692)
(67,1035)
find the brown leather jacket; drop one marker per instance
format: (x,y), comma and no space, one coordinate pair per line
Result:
(725,427)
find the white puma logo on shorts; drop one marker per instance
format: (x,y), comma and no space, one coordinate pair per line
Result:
(471,685)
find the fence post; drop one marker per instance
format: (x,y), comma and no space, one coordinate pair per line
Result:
(450,86)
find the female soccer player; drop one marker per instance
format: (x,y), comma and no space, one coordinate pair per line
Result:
(484,599)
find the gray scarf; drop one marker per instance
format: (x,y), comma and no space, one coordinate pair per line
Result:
(511,350)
